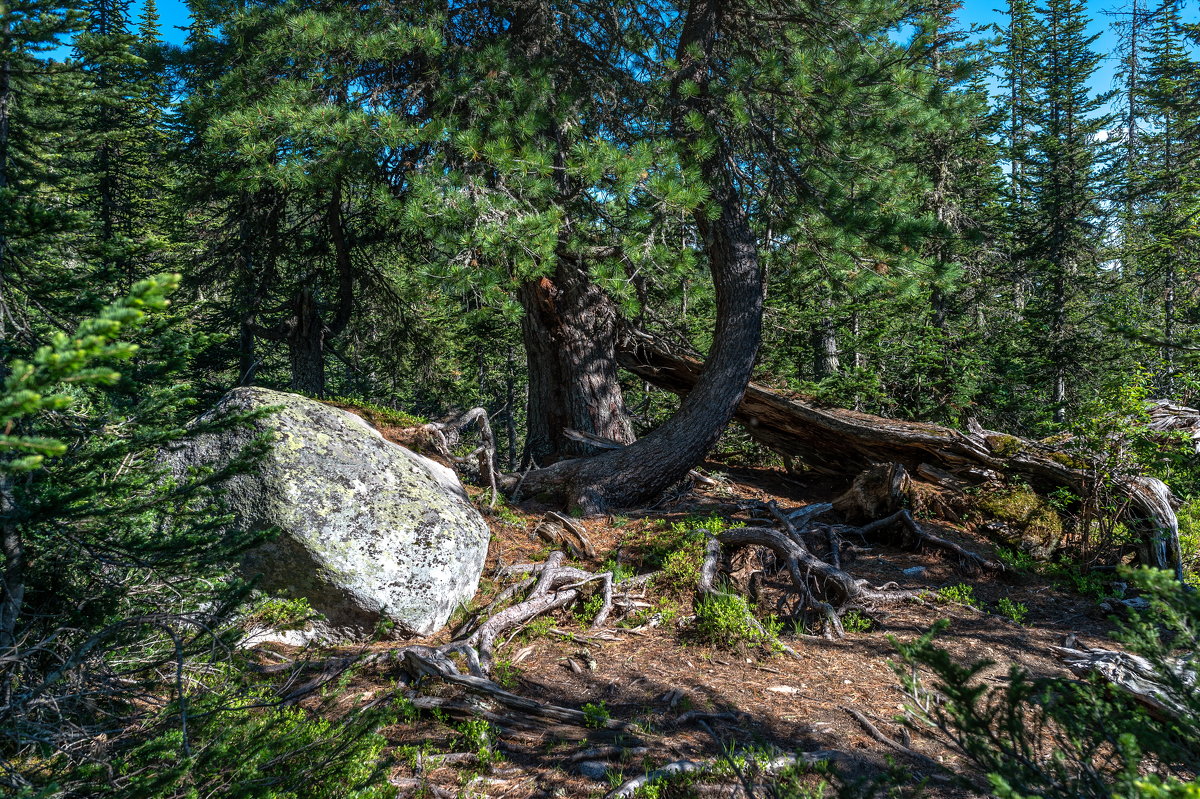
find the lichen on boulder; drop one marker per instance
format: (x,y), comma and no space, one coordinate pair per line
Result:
(372,534)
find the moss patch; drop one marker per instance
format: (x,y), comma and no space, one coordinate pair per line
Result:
(1033,526)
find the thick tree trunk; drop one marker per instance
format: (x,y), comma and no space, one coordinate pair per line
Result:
(647,467)
(825,349)
(569,331)
(306,346)
(843,442)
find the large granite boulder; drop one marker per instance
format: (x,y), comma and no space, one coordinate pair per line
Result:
(371,531)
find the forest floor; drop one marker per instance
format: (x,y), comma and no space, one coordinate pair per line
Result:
(652,675)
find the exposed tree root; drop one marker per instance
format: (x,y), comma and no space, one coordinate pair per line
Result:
(445,435)
(822,588)
(551,585)
(875,733)
(842,442)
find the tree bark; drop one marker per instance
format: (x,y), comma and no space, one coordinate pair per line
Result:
(306,331)
(569,331)
(825,348)
(650,465)
(306,345)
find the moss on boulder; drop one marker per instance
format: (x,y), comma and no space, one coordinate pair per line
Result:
(371,532)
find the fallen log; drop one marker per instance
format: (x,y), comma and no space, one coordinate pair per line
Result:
(841,442)
(1167,417)
(1156,686)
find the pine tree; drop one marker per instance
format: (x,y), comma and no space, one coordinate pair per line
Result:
(1064,214)
(1016,58)
(1166,185)
(122,140)
(36,94)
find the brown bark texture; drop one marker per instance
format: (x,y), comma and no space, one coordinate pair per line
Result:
(569,332)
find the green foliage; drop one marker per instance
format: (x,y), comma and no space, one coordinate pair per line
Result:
(279,613)
(596,714)
(506,674)
(379,415)
(272,753)
(1014,611)
(1189,537)
(585,612)
(676,549)
(857,622)
(1056,737)
(538,628)
(727,620)
(476,735)
(960,594)
(1018,560)
(360,198)
(506,514)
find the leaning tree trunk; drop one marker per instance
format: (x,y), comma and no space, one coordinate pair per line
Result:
(844,443)
(569,331)
(649,466)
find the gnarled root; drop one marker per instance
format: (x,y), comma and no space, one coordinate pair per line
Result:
(823,589)
(445,435)
(555,585)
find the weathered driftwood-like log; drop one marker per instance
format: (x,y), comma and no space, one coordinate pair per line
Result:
(1135,676)
(1167,417)
(445,436)
(838,441)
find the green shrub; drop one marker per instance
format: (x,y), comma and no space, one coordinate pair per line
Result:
(506,674)
(681,568)
(477,735)
(539,627)
(1066,738)
(1016,611)
(857,622)
(1189,537)
(726,620)
(280,613)
(596,714)
(961,594)
(236,749)
(620,571)
(585,612)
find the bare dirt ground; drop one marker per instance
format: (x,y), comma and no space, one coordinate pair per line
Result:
(655,676)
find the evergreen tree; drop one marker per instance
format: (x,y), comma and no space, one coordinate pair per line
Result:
(36,94)
(1166,188)
(1064,215)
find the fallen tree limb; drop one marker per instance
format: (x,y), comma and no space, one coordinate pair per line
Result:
(446,435)
(1135,676)
(875,733)
(837,441)
(763,769)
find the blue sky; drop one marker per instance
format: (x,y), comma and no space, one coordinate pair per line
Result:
(174,15)
(991,11)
